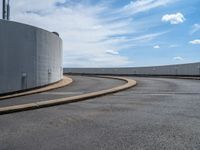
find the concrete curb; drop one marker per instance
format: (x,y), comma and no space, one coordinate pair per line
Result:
(64,82)
(17,108)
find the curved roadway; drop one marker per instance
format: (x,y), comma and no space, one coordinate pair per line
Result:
(156,114)
(80,85)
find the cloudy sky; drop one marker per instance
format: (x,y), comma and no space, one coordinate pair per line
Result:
(118,33)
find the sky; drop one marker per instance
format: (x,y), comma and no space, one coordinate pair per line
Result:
(118,33)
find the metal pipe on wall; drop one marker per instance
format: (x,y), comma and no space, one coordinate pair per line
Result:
(4,9)
(8,10)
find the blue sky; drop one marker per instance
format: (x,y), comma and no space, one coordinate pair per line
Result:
(118,33)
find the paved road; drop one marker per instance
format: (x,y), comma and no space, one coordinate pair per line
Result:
(156,114)
(80,85)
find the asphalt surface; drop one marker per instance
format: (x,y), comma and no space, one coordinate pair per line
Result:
(156,114)
(80,85)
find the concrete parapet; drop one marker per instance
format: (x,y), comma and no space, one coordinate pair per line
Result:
(192,69)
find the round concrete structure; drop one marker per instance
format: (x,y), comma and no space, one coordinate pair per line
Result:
(30,57)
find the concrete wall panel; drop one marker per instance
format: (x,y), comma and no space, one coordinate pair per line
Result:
(192,69)
(29,57)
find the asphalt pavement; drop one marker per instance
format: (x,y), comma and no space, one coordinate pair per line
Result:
(157,114)
(80,85)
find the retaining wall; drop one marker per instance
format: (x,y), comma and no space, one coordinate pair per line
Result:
(192,69)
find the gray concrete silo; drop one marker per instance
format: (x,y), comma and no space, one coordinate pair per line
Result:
(29,57)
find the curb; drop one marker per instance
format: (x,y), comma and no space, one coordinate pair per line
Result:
(17,108)
(64,82)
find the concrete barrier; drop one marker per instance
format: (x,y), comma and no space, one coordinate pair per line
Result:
(192,69)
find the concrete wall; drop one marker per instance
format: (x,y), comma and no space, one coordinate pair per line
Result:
(29,57)
(192,69)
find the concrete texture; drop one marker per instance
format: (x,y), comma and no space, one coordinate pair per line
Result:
(157,114)
(66,100)
(29,57)
(192,69)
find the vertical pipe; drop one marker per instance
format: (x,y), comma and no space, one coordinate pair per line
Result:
(4,9)
(8,10)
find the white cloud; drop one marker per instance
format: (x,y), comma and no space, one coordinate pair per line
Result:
(156,47)
(147,37)
(195,28)
(138,6)
(178,58)
(112,52)
(174,18)
(90,33)
(94,61)
(197,41)
(80,26)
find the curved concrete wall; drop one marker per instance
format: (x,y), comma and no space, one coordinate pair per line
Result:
(192,69)
(29,57)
